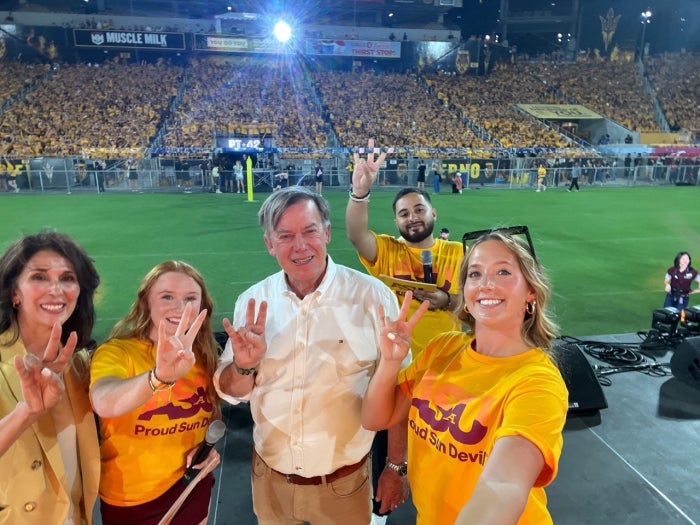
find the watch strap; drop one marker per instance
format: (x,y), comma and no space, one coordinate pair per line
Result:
(400,468)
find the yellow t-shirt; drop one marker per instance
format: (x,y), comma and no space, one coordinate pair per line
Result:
(461,403)
(541,172)
(396,259)
(144,451)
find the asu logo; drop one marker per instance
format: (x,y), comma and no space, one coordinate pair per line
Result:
(447,420)
(97,38)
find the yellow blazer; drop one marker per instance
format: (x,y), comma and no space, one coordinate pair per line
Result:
(32,479)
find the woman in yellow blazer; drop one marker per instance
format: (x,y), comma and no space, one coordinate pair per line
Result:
(49,453)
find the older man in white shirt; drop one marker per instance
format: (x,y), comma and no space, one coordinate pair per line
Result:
(304,364)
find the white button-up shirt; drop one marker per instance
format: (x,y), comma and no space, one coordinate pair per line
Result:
(321,353)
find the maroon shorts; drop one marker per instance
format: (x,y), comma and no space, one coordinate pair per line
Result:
(194,509)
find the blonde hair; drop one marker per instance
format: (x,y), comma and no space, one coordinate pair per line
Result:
(538,329)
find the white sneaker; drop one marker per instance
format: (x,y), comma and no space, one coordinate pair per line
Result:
(218,191)
(537,191)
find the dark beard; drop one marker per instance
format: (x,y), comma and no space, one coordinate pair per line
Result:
(419,235)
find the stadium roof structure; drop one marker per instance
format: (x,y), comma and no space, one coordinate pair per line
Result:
(387,13)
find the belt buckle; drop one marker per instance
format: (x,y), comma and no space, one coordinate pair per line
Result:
(288,477)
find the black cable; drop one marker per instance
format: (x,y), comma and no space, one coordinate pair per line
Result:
(620,357)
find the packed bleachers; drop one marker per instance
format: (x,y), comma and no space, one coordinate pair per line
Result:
(107,110)
(676,80)
(394,109)
(247,99)
(489,102)
(114,110)
(611,88)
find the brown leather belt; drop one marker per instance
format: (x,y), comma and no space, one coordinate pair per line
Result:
(295,479)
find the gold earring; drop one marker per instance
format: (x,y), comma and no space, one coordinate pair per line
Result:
(465,309)
(530,307)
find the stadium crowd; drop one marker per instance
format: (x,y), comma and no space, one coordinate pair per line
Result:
(120,110)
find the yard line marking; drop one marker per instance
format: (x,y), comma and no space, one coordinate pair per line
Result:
(643,478)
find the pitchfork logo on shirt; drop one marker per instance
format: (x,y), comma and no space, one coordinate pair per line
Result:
(180,416)
(443,432)
(188,408)
(447,420)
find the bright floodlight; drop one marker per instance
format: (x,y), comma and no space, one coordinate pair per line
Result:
(282,31)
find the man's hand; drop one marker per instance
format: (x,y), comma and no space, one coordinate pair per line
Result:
(248,342)
(392,490)
(439,299)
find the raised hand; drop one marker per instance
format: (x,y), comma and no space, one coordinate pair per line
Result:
(41,387)
(55,357)
(248,341)
(365,172)
(395,341)
(174,355)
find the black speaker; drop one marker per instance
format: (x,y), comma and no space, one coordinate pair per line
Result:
(586,395)
(685,362)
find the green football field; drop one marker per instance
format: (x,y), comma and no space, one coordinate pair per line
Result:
(606,248)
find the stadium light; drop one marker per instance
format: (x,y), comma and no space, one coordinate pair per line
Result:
(282,31)
(645,18)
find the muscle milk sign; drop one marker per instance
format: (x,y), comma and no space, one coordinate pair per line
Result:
(129,39)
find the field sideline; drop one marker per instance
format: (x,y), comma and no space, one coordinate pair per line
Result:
(606,248)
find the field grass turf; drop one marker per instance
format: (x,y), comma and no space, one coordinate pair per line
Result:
(606,248)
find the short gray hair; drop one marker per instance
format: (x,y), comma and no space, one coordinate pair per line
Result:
(277,203)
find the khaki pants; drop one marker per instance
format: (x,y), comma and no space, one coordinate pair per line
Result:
(346,501)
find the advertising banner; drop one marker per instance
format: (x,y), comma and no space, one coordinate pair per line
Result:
(353,48)
(237,44)
(98,38)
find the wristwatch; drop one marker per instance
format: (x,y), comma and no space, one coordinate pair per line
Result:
(400,468)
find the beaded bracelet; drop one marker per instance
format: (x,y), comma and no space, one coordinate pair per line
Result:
(164,385)
(244,371)
(364,198)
